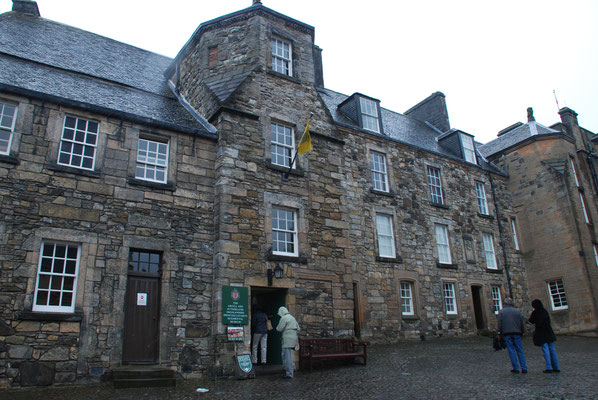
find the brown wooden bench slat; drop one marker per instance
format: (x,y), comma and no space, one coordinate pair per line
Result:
(322,348)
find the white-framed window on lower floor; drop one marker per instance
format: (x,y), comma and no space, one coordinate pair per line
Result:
(489,254)
(450,300)
(496,299)
(152,161)
(595,248)
(514,229)
(282,144)
(407,298)
(284,232)
(442,244)
(584,210)
(386,241)
(558,298)
(379,176)
(480,191)
(56,283)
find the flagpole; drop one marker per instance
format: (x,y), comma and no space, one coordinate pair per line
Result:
(285,175)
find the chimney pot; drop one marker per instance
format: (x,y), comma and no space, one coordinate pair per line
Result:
(28,7)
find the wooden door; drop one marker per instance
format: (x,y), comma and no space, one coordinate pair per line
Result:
(142,314)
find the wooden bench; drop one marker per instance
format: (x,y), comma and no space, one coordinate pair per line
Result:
(329,348)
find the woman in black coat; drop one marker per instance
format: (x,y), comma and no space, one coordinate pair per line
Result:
(544,336)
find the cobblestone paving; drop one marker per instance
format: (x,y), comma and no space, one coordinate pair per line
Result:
(438,368)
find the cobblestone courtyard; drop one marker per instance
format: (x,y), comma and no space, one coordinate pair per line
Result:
(446,368)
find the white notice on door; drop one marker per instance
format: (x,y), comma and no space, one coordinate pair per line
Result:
(142,299)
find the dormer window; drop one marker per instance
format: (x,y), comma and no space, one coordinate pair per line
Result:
(468,149)
(369,115)
(281,57)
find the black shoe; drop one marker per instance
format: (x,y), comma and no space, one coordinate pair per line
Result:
(547,371)
(556,370)
(515,371)
(524,371)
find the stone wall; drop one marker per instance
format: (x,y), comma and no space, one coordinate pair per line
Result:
(108,213)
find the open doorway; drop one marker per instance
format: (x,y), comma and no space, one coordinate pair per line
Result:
(477,306)
(270,299)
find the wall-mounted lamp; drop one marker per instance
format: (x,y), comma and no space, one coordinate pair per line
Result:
(277,273)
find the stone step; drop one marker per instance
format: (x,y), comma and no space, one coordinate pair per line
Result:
(143,376)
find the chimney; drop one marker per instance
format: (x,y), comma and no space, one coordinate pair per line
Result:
(530,114)
(433,111)
(318,69)
(28,7)
(257,3)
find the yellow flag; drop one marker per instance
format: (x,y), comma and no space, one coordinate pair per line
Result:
(305,142)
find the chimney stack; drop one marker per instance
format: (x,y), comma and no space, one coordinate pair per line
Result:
(530,114)
(28,7)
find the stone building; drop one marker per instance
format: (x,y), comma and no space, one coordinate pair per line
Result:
(139,191)
(554,186)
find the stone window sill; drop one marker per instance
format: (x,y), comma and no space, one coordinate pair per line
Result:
(409,317)
(73,170)
(287,77)
(438,205)
(290,259)
(381,193)
(395,260)
(494,271)
(154,185)
(446,266)
(486,216)
(9,159)
(46,316)
(294,171)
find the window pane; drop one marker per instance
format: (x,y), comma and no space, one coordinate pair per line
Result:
(435,185)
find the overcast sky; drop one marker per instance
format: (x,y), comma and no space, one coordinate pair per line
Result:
(492,59)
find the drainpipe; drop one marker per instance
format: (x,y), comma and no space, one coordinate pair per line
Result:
(502,239)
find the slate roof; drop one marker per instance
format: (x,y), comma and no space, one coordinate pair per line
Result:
(513,137)
(43,58)
(397,127)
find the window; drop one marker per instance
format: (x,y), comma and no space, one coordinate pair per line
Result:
(584,210)
(489,251)
(573,171)
(442,244)
(595,253)
(435,185)
(450,303)
(283,144)
(144,261)
(369,114)
(212,56)
(407,299)
(386,242)
(379,177)
(480,192)
(8,116)
(281,57)
(557,295)
(57,278)
(79,142)
(468,149)
(515,239)
(496,300)
(284,232)
(152,161)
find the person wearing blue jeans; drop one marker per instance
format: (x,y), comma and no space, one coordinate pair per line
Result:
(510,326)
(544,336)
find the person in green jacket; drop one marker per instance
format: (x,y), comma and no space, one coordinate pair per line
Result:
(289,328)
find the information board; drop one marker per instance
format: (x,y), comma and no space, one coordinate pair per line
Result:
(235,310)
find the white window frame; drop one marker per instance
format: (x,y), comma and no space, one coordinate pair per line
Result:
(583,209)
(443,244)
(435,185)
(282,56)
(288,234)
(49,268)
(489,253)
(7,125)
(406,294)
(595,247)
(450,299)
(480,191)
(515,238)
(468,149)
(369,114)
(379,175)
(152,160)
(386,240)
(80,140)
(282,148)
(496,299)
(574,172)
(558,297)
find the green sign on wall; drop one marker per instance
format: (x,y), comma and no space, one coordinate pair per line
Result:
(235,310)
